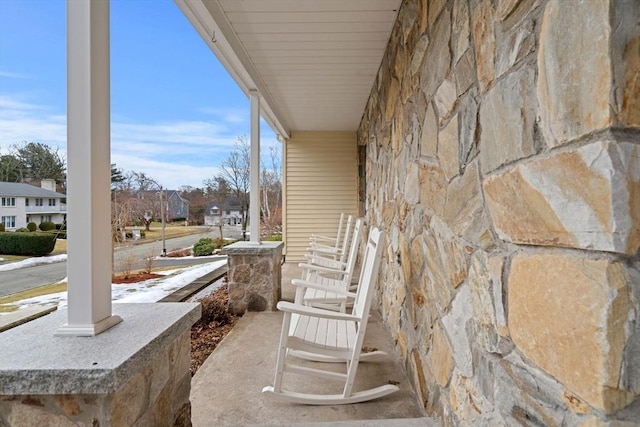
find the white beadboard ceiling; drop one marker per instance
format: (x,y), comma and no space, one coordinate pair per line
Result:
(312,61)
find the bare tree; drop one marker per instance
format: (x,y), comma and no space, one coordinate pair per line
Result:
(143,182)
(271,185)
(197,203)
(135,199)
(216,189)
(235,171)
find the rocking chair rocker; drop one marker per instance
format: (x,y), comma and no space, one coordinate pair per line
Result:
(330,334)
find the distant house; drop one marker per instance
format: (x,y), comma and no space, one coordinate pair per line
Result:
(176,206)
(21,204)
(229,213)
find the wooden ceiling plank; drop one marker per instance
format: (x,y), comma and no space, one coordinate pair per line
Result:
(307,5)
(312,27)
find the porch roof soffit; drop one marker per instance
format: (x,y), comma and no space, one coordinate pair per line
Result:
(313,62)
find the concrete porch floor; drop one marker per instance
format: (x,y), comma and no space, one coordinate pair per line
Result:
(226,390)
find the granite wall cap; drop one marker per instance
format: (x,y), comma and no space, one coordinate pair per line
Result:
(251,248)
(33,360)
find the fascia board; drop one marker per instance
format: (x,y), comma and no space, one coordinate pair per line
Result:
(210,22)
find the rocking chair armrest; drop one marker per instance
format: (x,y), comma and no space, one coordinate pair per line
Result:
(290,307)
(339,265)
(315,237)
(321,268)
(316,247)
(321,287)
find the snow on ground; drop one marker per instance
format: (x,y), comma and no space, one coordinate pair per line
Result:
(147,291)
(31,262)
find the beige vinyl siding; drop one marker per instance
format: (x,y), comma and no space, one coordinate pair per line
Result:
(320,182)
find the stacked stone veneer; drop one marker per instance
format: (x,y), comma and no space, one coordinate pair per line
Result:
(255,276)
(503,160)
(56,384)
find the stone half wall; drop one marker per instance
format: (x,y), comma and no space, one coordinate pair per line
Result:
(503,160)
(133,374)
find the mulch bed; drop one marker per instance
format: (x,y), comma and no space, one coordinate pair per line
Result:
(216,322)
(134,278)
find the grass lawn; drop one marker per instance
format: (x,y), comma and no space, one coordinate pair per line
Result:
(6,305)
(60,248)
(12,258)
(155,233)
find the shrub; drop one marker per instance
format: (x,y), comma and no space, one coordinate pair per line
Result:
(1,227)
(61,231)
(60,234)
(204,246)
(23,230)
(207,245)
(26,243)
(32,226)
(47,226)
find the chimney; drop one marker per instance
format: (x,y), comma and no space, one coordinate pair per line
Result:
(48,184)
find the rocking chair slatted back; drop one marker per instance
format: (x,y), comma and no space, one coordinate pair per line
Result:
(328,336)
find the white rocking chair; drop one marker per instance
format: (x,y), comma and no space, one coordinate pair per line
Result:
(334,241)
(329,247)
(328,240)
(326,333)
(332,274)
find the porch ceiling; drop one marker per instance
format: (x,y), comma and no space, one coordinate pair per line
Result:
(312,61)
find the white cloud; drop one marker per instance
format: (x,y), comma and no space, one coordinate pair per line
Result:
(181,152)
(230,115)
(10,75)
(21,120)
(170,174)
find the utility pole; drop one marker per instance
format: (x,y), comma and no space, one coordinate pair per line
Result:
(164,247)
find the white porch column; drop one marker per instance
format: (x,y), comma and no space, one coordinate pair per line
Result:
(254,199)
(88,169)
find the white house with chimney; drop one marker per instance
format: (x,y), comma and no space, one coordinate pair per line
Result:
(21,204)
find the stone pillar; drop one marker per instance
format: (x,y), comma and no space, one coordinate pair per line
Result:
(136,373)
(255,275)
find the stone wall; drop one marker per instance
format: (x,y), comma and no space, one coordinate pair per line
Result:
(503,160)
(158,395)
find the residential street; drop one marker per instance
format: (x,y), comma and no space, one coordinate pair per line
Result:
(32,277)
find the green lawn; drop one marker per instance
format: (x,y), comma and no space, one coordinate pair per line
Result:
(6,303)
(12,258)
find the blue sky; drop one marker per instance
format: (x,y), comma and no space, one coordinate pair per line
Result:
(175,112)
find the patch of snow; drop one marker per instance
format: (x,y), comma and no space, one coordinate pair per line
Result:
(159,257)
(31,262)
(150,290)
